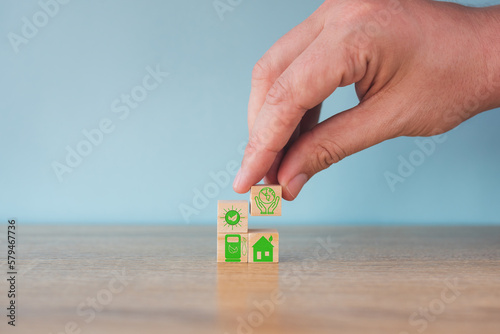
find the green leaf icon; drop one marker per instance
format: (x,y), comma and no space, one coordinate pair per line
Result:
(271,238)
(232,249)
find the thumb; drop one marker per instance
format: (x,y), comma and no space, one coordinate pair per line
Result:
(334,139)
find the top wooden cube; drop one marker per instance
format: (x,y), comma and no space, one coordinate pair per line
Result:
(232,216)
(265,200)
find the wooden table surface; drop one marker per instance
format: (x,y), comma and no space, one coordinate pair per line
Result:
(330,279)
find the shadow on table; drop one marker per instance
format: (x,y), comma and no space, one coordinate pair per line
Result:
(248,297)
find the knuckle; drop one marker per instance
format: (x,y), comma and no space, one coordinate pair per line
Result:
(327,154)
(252,145)
(261,71)
(361,9)
(259,142)
(280,92)
(284,120)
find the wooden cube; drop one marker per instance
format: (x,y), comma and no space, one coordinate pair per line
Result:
(232,216)
(263,246)
(265,200)
(232,247)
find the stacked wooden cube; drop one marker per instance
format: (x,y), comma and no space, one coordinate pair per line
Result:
(235,241)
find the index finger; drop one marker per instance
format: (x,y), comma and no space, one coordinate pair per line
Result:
(277,59)
(310,79)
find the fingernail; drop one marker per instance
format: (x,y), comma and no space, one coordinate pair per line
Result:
(236,182)
(296,184)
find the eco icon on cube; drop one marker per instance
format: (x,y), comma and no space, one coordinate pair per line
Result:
(265,200)
(264,245)
(235,247)
(235,241)
(232,217)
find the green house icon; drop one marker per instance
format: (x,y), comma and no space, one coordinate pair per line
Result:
(263,250)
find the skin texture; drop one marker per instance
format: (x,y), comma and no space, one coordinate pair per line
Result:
(420,68)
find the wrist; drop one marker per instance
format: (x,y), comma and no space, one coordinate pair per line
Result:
(487,22)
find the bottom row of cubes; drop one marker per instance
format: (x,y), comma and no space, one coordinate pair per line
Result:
(258,245)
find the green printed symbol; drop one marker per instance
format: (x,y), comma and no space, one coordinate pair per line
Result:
(232,217)
(235,247)
(263,250)
(267,201)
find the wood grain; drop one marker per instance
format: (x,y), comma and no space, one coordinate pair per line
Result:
(329,280)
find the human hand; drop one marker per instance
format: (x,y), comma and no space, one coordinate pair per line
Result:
(420,69)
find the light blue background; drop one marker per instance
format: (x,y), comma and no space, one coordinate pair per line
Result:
(65,79)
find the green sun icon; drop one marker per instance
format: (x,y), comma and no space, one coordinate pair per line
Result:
(232,217)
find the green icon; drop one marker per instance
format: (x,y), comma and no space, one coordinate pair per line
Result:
(235,247)
(232,217)
(267,201)
(263,250)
